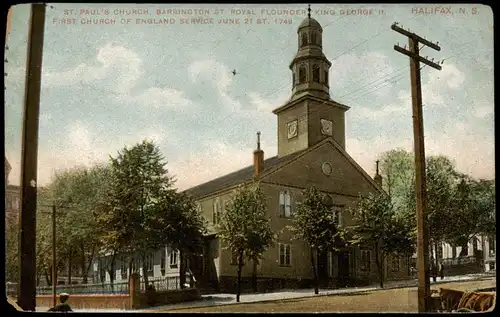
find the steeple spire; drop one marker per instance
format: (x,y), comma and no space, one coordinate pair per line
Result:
(258,140)
(309,11)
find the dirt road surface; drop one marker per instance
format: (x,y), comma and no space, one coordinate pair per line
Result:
(391,300)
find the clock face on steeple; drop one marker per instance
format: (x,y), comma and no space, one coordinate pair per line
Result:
(292,129)
(326,127)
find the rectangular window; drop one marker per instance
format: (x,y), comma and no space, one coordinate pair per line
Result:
(285,254)
(148,266)
(174,258)
(163,262)
(365,260)
(395,264)
(285,204)
(338,215)
(123,267)
(491,246)
(134,267)
(216,212)
(9,202)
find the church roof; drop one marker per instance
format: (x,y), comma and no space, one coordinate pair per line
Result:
(310,22)
(237,177)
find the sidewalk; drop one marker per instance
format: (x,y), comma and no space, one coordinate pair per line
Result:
(224,299)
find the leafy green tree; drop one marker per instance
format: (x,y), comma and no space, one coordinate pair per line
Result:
(398,176)
(11,247)
(375,226)
(260,235)
(441,180)
(139,179)
(472,212)
(244,228)
(314,223)
(179,222)
(76,193)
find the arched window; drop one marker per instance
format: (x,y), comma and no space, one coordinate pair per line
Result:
(304,38)
(302,74)
(313,38)
(285,204)
(316,73)
(326,77)
(293,78)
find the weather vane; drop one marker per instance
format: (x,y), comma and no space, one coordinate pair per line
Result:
(309,10)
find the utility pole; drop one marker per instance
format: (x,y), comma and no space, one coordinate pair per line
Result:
(54,262)
(418,134)
(27,221)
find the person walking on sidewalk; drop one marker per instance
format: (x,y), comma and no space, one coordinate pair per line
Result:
(434,269)
(62,306)
(441,270)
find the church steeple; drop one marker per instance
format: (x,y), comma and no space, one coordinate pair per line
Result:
(310,67)
(310,115)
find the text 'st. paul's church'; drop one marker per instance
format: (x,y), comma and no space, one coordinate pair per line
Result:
(310,115)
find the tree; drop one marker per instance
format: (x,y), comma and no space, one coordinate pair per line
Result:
(244,228)
(314,223)
(398,175)
(139,180)
(472,212)
(11,247)
(375,226)
(76,193)
(441,182)
(179,222)
(260,234)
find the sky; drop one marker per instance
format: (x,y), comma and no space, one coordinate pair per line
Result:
(107,86)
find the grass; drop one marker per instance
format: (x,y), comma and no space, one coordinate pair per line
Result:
(391,300)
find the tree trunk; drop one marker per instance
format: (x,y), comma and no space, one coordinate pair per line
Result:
(254,275)
(182,268)
(144,272)
(380,265)
(465,249)
(315,272)
(48,277)
(408,264)
(70,264)
(83,265)
(240,266)
(89,266)
(436,251)
(112,271)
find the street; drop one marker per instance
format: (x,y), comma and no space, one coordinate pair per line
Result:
(390,300)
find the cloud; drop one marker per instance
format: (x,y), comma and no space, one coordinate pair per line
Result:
(216,159)
(373,67)
(155,97)
(266,106)
(472,152)
(114,61)
(219,75)
(81,147)
(483,109)
(440,87)
(365,152)
(117,73)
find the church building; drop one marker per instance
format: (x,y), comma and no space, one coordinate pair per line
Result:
(311,151)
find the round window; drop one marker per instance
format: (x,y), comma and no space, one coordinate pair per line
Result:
(326,168)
